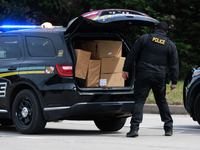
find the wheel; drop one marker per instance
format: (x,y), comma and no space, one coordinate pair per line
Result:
(197,108)
(27,114)
(6,122)
(111,124)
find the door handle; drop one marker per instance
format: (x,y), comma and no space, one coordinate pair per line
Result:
(12,68)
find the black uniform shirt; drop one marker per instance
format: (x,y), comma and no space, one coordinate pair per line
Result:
(173,62)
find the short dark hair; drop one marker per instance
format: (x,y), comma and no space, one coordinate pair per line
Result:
(163,26)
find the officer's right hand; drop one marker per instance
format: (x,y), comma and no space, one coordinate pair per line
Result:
(173,86)
(125,75)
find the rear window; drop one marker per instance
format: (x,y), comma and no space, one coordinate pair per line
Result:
(40,47)
(9,47)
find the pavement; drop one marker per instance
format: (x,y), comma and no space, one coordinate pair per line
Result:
(174,109)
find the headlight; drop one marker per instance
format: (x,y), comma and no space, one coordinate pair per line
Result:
(196,73)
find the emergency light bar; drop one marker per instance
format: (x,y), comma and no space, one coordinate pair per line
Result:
(15,27)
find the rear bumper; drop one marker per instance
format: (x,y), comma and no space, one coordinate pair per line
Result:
(90,110)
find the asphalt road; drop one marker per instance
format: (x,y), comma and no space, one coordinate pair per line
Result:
(83,135)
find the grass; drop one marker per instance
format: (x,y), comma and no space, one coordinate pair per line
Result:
(174,97)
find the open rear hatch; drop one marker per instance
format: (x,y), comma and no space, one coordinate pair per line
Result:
(96,41)
(109,20)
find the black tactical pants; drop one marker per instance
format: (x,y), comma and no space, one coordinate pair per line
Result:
(144,82)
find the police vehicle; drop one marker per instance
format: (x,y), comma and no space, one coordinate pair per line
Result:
(37,73)
(191,93)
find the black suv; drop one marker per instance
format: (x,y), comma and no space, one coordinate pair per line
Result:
(191,93)
(37,73)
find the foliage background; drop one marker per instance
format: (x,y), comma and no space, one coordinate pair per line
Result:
(183,17)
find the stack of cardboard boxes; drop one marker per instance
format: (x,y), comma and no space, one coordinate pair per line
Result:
(102,63)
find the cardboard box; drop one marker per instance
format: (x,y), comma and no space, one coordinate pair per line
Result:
(111,80)
(93,74)
(82,62)
(101,48)
(112,65)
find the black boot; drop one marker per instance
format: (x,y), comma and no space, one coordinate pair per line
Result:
(168,133)
(132,133)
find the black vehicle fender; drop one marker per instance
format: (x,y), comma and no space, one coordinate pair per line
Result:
(19,86)
(192,94)
(187,80)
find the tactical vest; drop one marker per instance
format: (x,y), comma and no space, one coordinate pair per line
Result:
(155,51)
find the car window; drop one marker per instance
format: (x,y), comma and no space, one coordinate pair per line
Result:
(40,47)
(9,47)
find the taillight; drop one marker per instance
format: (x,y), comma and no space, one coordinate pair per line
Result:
(65,69)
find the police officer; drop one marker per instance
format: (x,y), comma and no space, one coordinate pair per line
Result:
(152,52)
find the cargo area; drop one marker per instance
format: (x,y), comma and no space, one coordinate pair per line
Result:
(99,62)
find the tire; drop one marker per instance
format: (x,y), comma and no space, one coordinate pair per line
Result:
(111,124)
(6,122)
(197,108)
(27,114)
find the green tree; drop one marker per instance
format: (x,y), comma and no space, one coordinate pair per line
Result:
(58,12)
